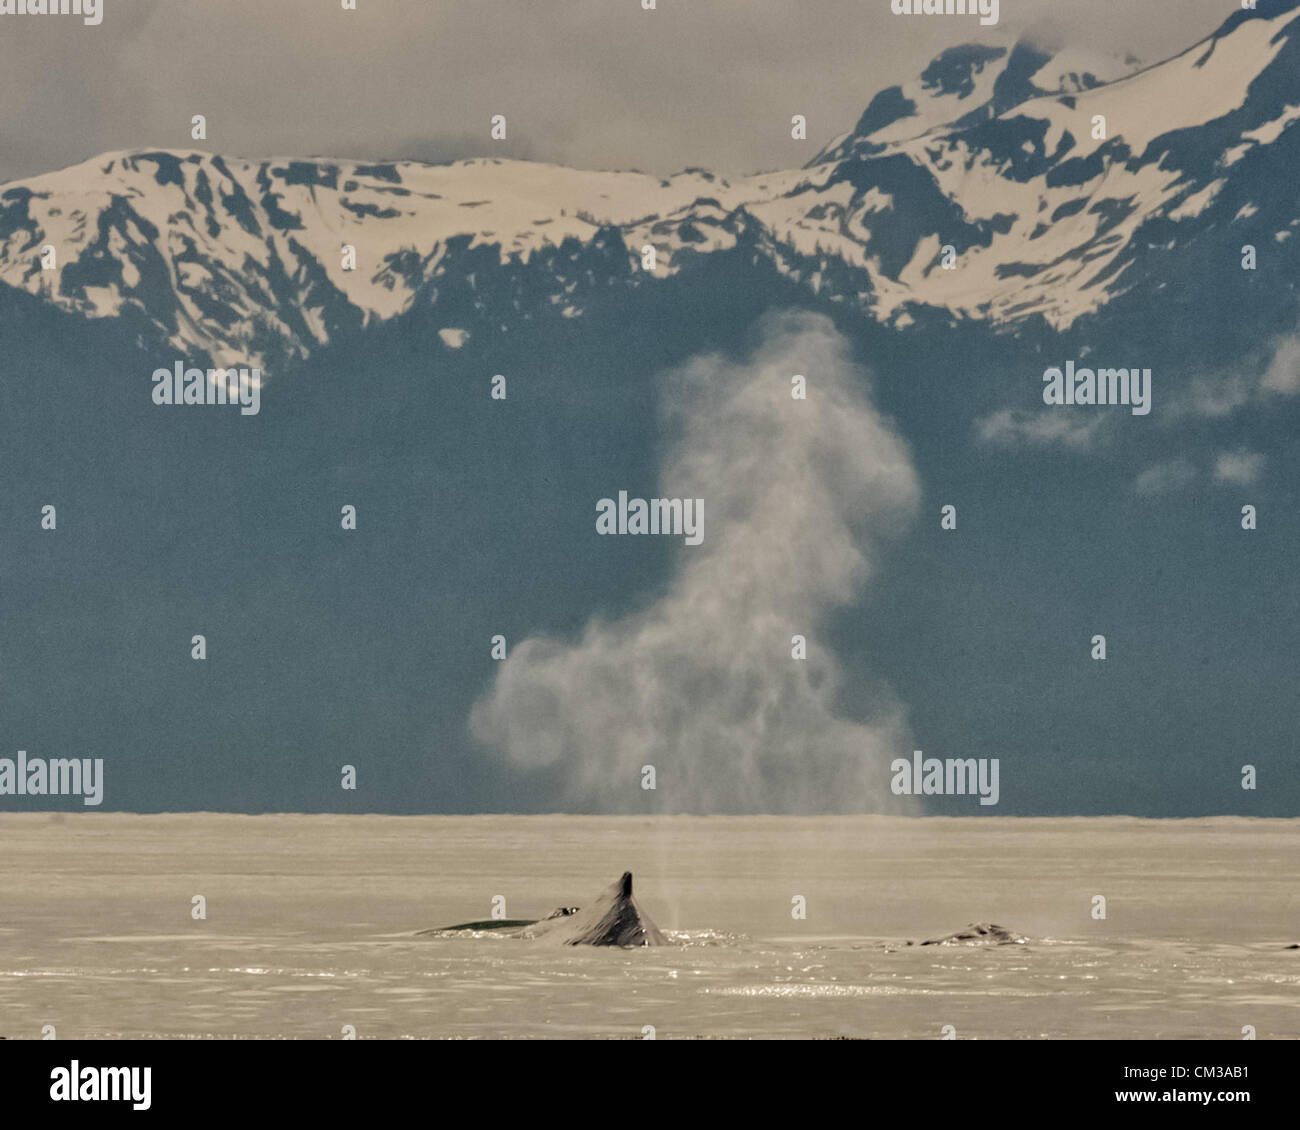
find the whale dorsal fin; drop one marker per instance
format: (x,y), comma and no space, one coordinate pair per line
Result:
(611,919)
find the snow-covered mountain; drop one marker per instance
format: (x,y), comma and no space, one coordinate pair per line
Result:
(998,154)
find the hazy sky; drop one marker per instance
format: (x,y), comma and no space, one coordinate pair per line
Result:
(592,83)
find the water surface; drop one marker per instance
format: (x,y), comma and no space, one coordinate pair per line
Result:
(310,923)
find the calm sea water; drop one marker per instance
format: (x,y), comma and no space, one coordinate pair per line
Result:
(310,923)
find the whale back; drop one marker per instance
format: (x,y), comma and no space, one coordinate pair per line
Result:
(978,933)
(613,919)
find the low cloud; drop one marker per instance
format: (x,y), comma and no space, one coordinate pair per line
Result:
(1269,372)
(1241,468)
(1283,375)
(1012,427)
(1164,478)
(701,684)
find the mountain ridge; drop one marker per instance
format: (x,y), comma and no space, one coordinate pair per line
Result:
(1036,217)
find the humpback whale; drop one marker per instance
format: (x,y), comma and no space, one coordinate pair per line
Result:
(613,919)
(988,933)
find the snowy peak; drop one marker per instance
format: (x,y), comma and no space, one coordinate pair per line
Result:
(968,84)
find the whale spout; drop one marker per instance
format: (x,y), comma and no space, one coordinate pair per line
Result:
(613,919)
